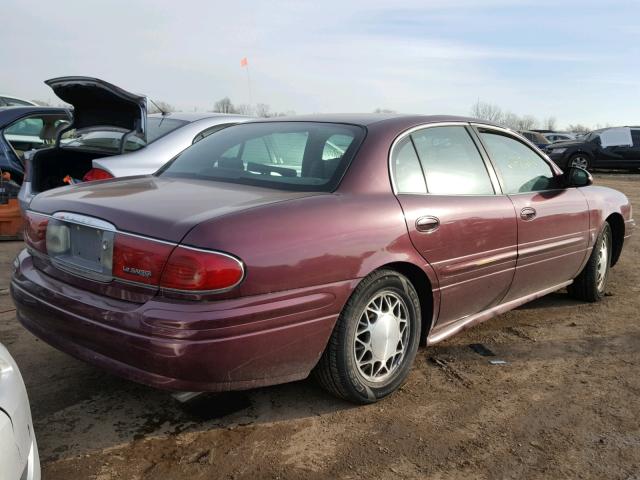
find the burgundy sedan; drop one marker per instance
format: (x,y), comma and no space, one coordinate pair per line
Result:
(327,244)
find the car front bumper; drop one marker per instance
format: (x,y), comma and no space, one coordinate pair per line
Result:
(184,346)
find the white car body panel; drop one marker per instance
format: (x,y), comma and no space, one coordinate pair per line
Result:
(18,447)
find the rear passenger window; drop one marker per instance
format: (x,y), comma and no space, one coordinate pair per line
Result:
(521,168)
(451,162)
(407,172)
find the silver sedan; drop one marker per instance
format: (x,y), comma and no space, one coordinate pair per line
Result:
(158,151)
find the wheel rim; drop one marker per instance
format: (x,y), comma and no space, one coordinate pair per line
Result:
(603,263)
(381,337)
(580,161)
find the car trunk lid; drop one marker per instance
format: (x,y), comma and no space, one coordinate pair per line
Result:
(97,103)
(162,208)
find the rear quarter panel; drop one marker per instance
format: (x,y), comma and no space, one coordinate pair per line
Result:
(311,241)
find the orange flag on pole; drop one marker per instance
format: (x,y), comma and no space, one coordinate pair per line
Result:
(244,62)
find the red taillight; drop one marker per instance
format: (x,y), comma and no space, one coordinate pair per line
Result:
(35,231)
(200,270)
(96,174)
(139,259)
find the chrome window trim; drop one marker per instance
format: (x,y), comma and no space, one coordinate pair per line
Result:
(493,176)
(89,221)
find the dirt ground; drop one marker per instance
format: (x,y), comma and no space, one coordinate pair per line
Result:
(566,405)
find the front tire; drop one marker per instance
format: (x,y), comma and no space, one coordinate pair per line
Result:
(375,340)
(590,284)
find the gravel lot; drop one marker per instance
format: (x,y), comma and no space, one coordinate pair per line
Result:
(565,406)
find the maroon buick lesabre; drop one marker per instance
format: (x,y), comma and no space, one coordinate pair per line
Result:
(326,244)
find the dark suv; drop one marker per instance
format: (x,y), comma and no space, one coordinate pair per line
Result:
(617,147)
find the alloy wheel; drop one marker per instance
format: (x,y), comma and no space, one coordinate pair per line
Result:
(381,337)
(580,161)
(602,264)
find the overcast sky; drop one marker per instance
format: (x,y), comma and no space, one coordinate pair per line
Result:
(576,60)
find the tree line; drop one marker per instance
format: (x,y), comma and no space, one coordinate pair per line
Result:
(482,110)
(493,113)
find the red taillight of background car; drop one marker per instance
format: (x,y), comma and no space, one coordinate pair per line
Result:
(194,270)
(35,231)
(139,259)
(96,174)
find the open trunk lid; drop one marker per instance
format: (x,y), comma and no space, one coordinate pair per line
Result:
(97,103)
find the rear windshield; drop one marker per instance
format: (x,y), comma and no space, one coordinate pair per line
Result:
(305,156)
(109,140)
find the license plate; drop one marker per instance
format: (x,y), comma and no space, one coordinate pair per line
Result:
(82,245)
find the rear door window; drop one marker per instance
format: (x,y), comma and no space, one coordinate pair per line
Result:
(451,162)
(407,172)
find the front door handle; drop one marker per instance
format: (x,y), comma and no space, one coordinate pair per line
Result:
(528,213)
(427,224)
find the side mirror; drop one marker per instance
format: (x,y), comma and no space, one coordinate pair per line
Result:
(577,177)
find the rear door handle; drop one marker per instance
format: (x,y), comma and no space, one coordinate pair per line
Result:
(528,213)
(427,224)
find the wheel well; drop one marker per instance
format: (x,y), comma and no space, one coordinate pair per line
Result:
(423,287)
(616,222)
(584,153)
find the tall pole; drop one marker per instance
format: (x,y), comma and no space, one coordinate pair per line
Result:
(249,84)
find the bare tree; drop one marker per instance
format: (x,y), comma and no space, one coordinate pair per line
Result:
(528,122)
(487,111)
(511,120)
(243,109)
(263,110)
(550,123)
(578,128)
(224,105)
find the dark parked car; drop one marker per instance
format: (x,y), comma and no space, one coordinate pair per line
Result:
(361,237)
(558,136)
(11,101)
(591,152)
(26,128)
(538,139)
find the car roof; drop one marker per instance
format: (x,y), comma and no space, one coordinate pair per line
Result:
(366,119)
(6,95)
(11,114)
(195,116)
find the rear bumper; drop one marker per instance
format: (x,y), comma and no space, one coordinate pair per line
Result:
(209,346)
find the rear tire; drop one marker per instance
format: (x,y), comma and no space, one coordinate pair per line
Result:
(590,284)
(580,160)
(375,340)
